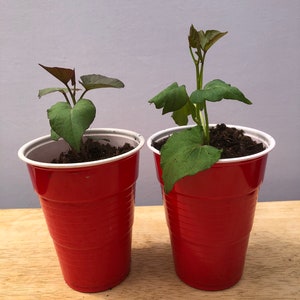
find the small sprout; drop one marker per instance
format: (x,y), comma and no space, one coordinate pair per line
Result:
(70,119)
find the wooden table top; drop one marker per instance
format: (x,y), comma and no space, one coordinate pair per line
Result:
(29,267)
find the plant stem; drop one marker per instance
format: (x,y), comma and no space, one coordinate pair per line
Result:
(201,112)
(206,127)
(193,56)
(198,111)
(83,94)
(204,118)
(72,94)
(66,97)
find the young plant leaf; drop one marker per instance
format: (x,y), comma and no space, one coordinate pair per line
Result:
(47,91)
(180,116)
(71,122)
(184,154)
(209,38)
(171,98)
(54,135)
(62,74)
(94,81)
(194,39)
(216,90)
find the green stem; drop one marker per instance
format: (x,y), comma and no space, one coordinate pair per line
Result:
(206,127)
(201,117)
(72,94)
(83,94)
(204,119)
(200,78)
(198,112)
(193,56)
(66,97)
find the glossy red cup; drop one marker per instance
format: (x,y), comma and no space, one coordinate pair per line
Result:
(89,209)
(210,216)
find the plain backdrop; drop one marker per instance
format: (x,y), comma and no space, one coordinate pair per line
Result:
(144,43)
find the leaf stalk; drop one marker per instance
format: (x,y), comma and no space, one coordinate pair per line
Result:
(201,110)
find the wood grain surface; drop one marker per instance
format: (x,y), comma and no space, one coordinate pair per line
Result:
(29,268)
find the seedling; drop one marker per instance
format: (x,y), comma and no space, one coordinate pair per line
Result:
(70,119)
(188,151)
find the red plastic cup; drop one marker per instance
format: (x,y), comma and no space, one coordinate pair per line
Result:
(89,209)
(210,217)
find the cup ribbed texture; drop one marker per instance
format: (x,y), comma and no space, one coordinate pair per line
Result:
(209,238)
(92,239)
(210,217)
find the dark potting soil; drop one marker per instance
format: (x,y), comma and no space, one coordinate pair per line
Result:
(91,150)
(232,141)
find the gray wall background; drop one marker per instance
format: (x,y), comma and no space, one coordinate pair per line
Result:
(144,43)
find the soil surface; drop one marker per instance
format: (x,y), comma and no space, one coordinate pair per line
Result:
(90,151)
(232,141)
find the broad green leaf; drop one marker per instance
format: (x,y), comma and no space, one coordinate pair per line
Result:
(94,81)
(184,154)
(208,38)
(180,116)
(216,90)
(160,99)
(62,74)
(54,135)
(197,98)
(211,36)
(171,98)
(46,91)
(71,122)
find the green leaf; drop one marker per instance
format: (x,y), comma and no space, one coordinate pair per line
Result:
(171,98)
(54,135)
(197,98)
(194,41)
(203,40)
(69,122)
(180,116)
(216,90)
(194,38)
(184,154)
(210,37)
(62,74)
(94,81)
(46,91)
